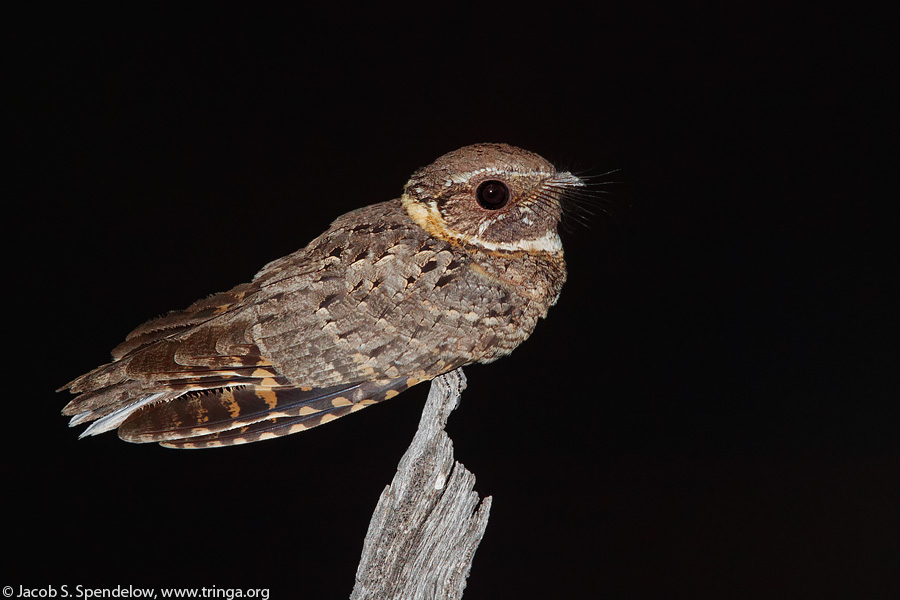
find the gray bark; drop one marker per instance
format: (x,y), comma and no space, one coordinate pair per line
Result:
(429,520)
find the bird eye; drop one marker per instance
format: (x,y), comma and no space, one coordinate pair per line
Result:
(492,194)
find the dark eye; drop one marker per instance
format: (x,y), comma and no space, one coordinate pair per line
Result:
(492,194)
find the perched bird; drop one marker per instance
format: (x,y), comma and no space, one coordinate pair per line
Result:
(457,270)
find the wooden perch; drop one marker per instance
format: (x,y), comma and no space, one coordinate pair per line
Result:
(429,520)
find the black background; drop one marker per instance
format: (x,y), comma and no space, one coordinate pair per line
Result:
(710,411)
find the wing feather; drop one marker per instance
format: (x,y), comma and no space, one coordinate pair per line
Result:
(338,317)
(246,414)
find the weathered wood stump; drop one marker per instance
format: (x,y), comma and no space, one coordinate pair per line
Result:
(429,520)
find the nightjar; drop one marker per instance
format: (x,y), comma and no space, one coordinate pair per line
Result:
(458,270)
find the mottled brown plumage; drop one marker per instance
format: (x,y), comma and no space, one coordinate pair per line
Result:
(458,270)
